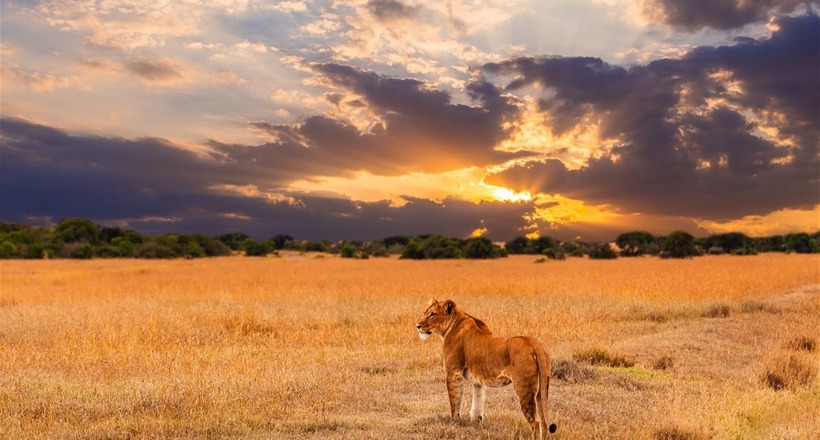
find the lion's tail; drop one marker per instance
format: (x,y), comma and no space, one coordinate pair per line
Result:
(542,360)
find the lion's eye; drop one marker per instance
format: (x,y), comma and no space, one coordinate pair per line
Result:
(432,315)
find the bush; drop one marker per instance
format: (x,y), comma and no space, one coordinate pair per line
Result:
(80,251)
(153,249)
(599,356)
(679,244)
(602,252)
(348,251)
(554,254)
(254,248)
(412,251)
(716,311)
(789,372)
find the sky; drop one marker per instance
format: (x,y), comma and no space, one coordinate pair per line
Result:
(362,119)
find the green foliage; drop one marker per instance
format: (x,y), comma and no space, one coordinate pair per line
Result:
(602,251)
(732,243)
(234,240)
(77,230)
(554,254)
(636,243)
(802,243)
(439,247)
(679,244)
(282,241)
(412,250)
(153,249)
(518,245)
(348,251)
(8,249)
(254,248)
(82,238)
(536,246)
(478,248)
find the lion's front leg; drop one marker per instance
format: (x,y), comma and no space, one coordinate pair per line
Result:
(455,390)
(477,408)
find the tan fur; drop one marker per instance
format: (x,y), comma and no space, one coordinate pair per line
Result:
(473,354)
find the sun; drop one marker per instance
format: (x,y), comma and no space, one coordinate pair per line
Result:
(503,194)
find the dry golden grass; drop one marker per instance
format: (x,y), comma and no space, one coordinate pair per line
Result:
(298,347)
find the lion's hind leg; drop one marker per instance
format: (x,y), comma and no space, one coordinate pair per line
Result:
(526,391)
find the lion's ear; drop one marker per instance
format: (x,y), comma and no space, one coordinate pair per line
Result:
(432,301)
(449,306)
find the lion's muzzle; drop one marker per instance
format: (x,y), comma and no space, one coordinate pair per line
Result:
(423,334)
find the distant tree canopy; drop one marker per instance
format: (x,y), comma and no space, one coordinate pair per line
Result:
(82,238)
(679,244)
(635,243)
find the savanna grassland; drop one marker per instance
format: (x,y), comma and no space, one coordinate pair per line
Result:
(300,347)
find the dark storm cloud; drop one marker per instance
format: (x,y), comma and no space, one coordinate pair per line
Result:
(693,15)
(387,10)
(423,131)
(158,187)
(678,154)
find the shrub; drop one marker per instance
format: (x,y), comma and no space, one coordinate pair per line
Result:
(348,251)
(716,311)
(602,252)
(412,250)
(254,248)
(599,356)
(802,343)
(478,248)
(676,433)
(554,254)
(153,249)
(679,244)
(664,362)
(715,250)
(789,372)
(570,371)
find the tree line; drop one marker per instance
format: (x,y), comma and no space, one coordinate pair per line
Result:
(81,238)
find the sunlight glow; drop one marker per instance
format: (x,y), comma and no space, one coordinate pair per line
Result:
(775,223)
(574,147)
(557,210)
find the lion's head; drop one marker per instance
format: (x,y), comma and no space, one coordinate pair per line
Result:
(436,318)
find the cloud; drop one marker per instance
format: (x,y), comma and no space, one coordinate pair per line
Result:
(390,10)
(720,133)
(693,15)
(143,183)
(422,130)
(37,81)
(155,71)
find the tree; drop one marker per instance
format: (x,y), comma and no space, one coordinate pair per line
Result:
(234,240)
(77,230)
(730,242)
(478,248)
(602,251)
(679,244)
(517,245)
(347,251)
(802,243)
(440,247)
(254,248)
(282,241)
(635,243)
(412,250)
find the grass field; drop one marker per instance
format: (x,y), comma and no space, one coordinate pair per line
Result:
(304,347)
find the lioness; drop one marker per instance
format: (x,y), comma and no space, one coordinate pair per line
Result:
(473,353)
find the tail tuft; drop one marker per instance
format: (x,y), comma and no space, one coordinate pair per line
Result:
(553,428)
